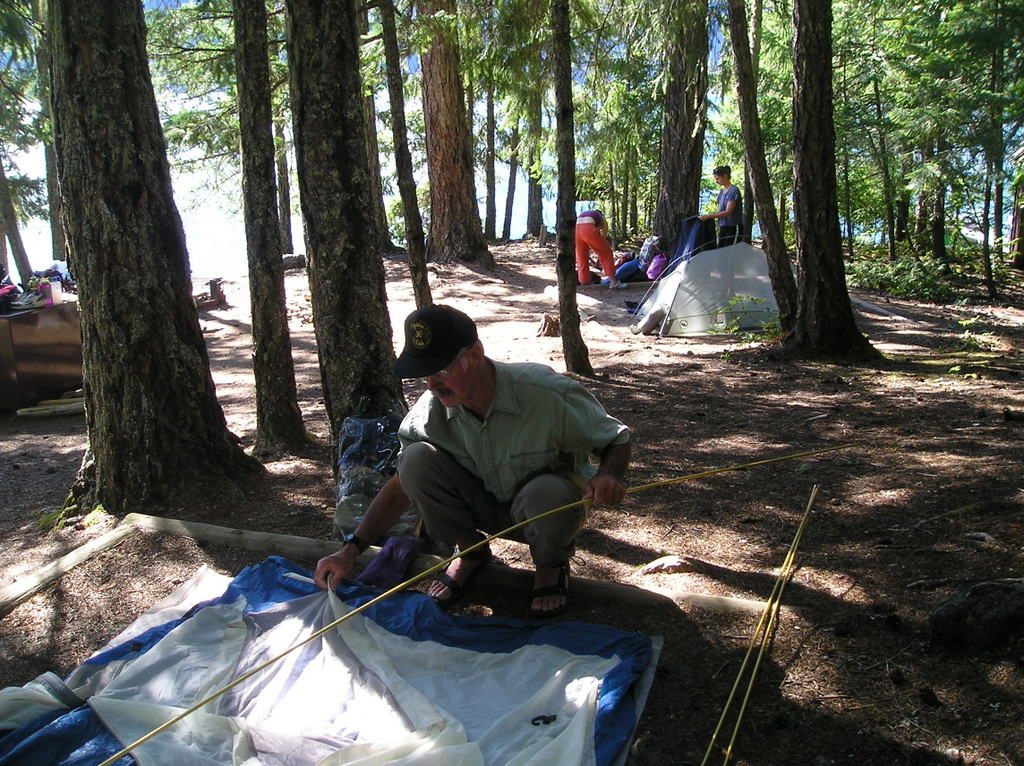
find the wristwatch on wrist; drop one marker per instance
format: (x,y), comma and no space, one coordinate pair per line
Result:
(356,541)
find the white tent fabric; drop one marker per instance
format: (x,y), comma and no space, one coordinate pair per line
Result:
(365,697)
(360,694)
(49,693)
(715,291)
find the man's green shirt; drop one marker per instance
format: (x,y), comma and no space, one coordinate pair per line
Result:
(540,422)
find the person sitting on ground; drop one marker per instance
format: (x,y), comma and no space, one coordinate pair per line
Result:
(730,208)
(635,269)
(592,234)
(490,444)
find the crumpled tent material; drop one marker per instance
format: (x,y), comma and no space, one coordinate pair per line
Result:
(402,683)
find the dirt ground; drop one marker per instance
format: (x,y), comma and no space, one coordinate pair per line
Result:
(926,500)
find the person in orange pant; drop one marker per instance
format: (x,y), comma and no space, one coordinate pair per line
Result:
(592,234)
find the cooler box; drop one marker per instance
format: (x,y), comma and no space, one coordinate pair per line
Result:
(40,354)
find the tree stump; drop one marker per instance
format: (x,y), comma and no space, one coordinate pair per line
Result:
(550,326)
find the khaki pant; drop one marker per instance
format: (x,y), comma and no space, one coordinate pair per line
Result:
(455,506)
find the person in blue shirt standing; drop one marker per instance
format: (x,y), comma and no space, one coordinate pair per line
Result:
(730,208)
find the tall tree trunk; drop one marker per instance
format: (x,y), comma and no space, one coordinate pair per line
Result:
(757,13)
(513,176)
(921,218)
(756,19)
(403,160)
(925,203)
(373,151)
(610,209)
(574,350)
(376,182)
(937,221)
(534,190)
(756,16)
(10,222)
(634,221)
(4,271)
(491,215)
(58,240)
(996,152)
(279,426)
(779,270)
(470,116)
(534,202)
(624,207)
(637,187)
(937,229)
(748,194)
(903,210)
(284,189)
(888,195)
(346,274)
(155,427)
(1017,226)
(999,201)
(42,59)
(847,206)
(824,322)
(847,191)
(682,137)
(650,202)
(455,230)
(986,236)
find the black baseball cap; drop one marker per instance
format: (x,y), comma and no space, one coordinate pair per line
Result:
(722,170)
(434,336)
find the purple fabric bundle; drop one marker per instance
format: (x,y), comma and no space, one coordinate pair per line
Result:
(389,566)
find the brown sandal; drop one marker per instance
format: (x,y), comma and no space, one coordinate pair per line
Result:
(457,589)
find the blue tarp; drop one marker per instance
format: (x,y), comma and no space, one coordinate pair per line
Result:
(76,736)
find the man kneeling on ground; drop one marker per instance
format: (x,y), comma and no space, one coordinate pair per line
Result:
(488,445)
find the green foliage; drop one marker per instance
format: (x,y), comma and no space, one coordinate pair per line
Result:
(396,214)
(769,332)
(619,103)
(56,519)
(191,47)
(969,341)
(396,221)
(929,104)
(22,123)
(905,278)
(774,103)
(922,278)
(29,196)
(738,305)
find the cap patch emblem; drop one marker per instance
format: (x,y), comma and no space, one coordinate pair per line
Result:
(420,334)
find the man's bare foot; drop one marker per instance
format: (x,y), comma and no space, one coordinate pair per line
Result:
(460,571)
(550,591)
(448,586)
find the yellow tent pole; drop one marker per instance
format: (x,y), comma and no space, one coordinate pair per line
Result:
(759,636)
(784,577)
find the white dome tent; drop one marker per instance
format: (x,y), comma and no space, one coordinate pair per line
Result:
(714,291)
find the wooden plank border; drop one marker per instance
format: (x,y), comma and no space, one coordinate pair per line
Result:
(311,549)
(26,587)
